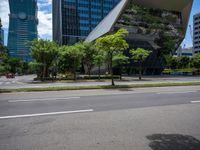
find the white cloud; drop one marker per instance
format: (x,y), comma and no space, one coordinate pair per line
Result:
(45,19)
(4,11)
(44,16)
(45,24)
(44,3)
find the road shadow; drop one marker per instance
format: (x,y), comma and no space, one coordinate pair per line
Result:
(173,142)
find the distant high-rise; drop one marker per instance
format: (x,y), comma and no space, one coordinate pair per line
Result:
(73,20)
(196,34)
(1,34)
(22,27)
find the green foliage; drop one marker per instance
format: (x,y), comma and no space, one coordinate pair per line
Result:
(14,65)
(196,61)
(168,45)
(139,55)
(184,71)
(177,62)
(119,60)
(113,44)
(3,52)
(2,69)
(174,63)
(35,67)
(44,52)
(3,58)
(171,18)
(99,58)
(183,62)
(90,51)
(70,58)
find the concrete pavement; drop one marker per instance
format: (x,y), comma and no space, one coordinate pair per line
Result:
(27,81)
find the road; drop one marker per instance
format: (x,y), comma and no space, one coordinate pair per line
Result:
(27,81)
(141,119)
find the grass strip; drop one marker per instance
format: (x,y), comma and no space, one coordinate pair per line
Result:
(97,87)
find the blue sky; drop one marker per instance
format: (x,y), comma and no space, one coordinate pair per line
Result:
(45,19)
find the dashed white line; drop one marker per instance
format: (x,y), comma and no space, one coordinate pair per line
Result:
(181,92)
(47,99)
(195,101)
(46,114)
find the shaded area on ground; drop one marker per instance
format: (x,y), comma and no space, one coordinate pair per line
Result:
(173,142)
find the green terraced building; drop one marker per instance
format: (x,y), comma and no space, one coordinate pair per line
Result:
(156,25)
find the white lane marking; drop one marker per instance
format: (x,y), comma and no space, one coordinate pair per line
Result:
(195,101)
(46,114)
(171,92)
(47,99)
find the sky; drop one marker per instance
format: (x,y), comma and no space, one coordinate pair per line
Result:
(45,19)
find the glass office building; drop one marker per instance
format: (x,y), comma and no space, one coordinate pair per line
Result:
(73,20)
(196,33)
(22,27)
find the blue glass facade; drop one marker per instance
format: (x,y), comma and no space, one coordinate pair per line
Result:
(22,27)
(78,18)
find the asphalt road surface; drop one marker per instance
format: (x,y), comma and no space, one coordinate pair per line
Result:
(129,119)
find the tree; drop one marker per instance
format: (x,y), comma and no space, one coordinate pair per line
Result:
(112,45)
(90,51)
(44,52)
(139,55)
(99,59)
(3,59)
(172,62)
(169,45)
(119,60)
(183,62)
(35,67)
(70,57)
(14,65)
(196,61)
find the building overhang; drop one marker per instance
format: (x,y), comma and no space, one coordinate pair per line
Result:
(183,6)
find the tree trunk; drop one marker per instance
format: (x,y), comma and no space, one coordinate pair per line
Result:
(89,71)
(99,68)
(120,74)
(140,71)
(44,71)
(111,71)
(74,70)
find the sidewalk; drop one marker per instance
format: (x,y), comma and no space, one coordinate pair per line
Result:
(27,81)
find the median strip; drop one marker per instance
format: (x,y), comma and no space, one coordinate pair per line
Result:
(46,114)
(98,87)
(181,92)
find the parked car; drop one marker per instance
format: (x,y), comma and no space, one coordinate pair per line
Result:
(10,75)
